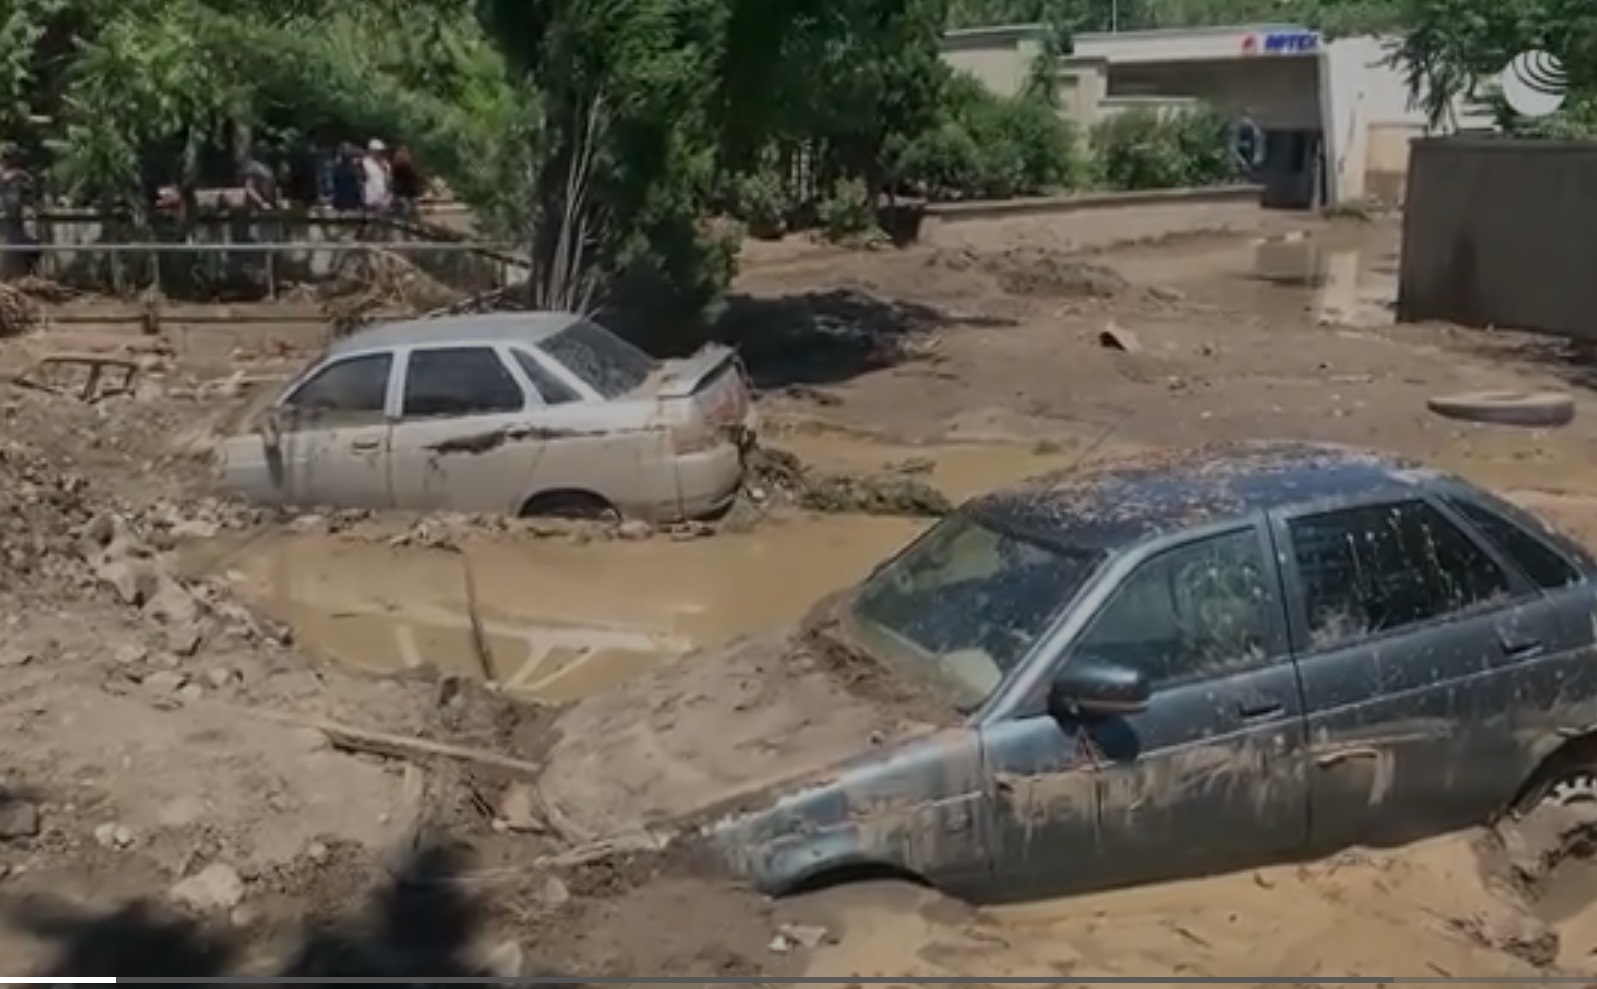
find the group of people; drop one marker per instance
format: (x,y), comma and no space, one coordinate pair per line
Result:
(377,181)
(347,179)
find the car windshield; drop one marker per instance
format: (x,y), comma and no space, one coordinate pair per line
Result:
(611,365)
(967,602)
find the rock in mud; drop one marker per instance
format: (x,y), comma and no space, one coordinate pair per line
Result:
(519,810)
(504,961)
(554,893)
(807,936)
(165,681)
(213,889)
(113,835)
(18,819)
(635,529)
(134,581)
(171,603)
(185,639)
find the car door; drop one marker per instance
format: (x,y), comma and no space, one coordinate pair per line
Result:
(1209,777)
(1399,618)
(463,441)
(333,436)
(1544,689)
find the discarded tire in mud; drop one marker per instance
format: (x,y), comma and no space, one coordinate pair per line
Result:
(1507,408)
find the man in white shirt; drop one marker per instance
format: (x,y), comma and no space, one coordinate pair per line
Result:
(374,168)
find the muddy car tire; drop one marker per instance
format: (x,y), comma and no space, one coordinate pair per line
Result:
(575,505)
(1507,408)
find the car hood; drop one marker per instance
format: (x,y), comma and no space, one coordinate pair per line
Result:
(705,730)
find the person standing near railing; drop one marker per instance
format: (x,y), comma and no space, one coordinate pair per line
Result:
(376,195)
(348,180)
(17,194)
(260,183)
(407,183)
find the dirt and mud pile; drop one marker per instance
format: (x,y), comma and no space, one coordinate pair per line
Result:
(42,506)
(1035,271)
(900,491)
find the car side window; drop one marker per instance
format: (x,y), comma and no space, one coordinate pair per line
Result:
(1539,561)
(1195,610)
(459,381)
(353,389)
(553,390)
(1373,569)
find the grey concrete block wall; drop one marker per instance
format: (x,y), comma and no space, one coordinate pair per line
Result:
(1501,232)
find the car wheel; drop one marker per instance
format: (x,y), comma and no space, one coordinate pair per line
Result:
(1507,408)
(1577,787)
(576,505)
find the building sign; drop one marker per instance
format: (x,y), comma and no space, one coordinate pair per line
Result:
(1282,43)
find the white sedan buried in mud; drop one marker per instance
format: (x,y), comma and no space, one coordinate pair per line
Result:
(1134,672)
(524,413)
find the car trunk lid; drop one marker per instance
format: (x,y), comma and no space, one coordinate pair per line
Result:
(715,380)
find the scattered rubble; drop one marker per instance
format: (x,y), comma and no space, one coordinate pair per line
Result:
(214,889)
(891,492)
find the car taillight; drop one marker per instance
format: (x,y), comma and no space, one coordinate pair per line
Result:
(694,436)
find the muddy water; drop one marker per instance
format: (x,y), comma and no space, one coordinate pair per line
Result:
(1346,275)
(560,620)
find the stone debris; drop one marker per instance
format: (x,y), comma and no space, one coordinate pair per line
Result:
(214,889)
(518,810)
(113,835)
(18,818)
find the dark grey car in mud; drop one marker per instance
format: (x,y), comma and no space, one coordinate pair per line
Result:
(1132,672)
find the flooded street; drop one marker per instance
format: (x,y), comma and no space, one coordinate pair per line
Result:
(563,619)
(1013,349)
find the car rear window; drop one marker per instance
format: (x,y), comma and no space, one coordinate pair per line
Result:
(1376,568)
(611,365)
(1539,561)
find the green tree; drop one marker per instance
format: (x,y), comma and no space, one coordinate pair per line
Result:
(1450,46)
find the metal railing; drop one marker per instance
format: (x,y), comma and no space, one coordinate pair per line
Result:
(465,265)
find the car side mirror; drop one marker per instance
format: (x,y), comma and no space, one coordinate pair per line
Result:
(1095,688)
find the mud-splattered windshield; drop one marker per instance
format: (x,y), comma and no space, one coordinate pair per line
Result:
(971,601)
(611,365)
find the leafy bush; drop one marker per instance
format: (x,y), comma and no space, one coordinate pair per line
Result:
(849,212)
(1146,148)
(991,147)
(760,200)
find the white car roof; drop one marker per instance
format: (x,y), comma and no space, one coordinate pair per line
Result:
(483,328)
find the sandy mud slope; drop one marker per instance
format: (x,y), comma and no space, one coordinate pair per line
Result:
(245,743)
(1421,913)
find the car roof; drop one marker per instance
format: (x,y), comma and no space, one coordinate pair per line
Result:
(1112,504)
(485,328)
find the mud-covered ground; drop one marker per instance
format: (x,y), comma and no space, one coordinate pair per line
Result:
(235,718)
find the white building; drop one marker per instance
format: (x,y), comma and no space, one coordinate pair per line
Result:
(1337,118)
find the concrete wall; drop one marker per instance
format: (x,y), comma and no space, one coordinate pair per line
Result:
(1000,58)
(1498,232)
(1276,91)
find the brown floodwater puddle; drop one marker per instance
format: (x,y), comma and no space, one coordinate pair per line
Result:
(561,619)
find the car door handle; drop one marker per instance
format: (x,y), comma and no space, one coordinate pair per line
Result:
(1519,646)
(1259,708)
(365,446)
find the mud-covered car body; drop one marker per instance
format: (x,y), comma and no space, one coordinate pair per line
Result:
(523,413)
(1124,674)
